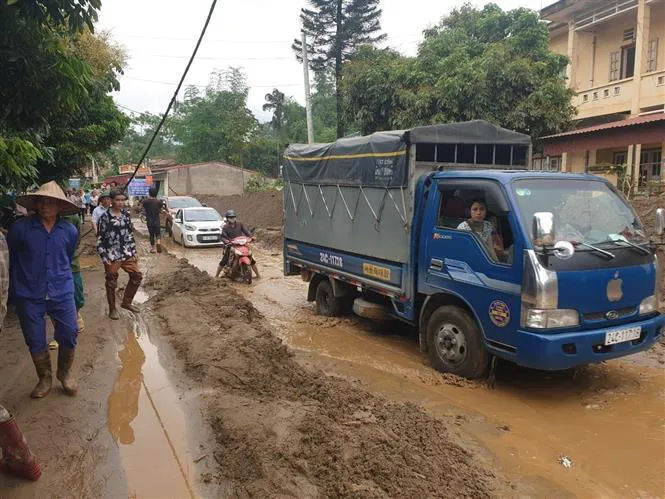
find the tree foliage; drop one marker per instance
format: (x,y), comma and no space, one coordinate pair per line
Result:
(337,28)
(54,111)
(476,64)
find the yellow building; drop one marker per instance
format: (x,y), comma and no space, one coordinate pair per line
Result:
(616,53)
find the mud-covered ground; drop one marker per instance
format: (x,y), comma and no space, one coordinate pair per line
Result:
(284,428)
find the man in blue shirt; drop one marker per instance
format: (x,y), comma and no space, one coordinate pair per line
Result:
(41,248)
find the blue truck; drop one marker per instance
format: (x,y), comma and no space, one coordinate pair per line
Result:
(443,227)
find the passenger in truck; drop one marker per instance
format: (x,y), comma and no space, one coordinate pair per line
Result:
(482,228)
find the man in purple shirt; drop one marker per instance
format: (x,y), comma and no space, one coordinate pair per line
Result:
(41,248)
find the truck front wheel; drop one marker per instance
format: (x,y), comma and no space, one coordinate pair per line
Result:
(455,343)
(326,303)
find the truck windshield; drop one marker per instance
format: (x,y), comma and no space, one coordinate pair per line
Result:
(585,211)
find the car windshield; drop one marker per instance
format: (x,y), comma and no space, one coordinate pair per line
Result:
(585,211)
(178,203)
(202,216)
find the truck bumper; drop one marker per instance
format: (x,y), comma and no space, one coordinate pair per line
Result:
(557,351)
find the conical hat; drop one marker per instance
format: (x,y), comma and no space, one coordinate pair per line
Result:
(48,190)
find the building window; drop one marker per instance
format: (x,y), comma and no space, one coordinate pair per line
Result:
(585,98)
(595,96)
(619,158)
(661,81)
(629,35)
(617,90)
(652,55)
(555,164)
(606,93)
(628,62)
(615,59)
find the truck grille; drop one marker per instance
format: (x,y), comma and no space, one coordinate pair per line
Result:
(612,315)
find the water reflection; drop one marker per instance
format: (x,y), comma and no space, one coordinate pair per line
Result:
(124,399)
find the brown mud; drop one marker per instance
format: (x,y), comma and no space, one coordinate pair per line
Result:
(285,428)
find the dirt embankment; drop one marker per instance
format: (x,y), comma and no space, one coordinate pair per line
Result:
(285,429)
(260,210)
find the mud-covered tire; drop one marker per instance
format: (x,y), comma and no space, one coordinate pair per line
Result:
(326,303)
(246,272)
(455,343)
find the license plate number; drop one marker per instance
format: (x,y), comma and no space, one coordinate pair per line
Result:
(622,335)
(209,238)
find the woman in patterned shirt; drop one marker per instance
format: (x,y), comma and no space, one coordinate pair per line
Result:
(117,248)
(481,227)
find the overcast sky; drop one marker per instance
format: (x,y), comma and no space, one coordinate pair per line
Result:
(159,36)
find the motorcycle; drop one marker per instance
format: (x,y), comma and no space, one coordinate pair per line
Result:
(239,266)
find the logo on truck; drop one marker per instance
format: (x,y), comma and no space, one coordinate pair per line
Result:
(499,313)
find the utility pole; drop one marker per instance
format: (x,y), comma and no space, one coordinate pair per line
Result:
(308,95)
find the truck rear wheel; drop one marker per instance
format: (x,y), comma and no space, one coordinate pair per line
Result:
(455,343)
(326,303)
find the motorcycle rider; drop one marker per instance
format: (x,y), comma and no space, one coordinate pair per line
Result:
(231,230)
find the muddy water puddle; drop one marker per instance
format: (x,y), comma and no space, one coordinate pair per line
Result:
(607,420)
(147,421)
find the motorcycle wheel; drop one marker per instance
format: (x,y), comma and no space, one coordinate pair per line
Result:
(247,273)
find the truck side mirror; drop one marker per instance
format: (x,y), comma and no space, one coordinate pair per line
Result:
(660,221)
(543,229)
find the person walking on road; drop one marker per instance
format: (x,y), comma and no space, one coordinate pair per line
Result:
(16,456)
(79,295)
(41,249)
(103,205)
(117,248)
(153,207)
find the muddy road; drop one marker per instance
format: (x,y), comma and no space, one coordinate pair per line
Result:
(607,419)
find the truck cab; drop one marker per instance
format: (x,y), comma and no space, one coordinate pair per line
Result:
(580,289)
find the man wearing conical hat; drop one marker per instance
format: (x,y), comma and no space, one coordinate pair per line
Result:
(41,248)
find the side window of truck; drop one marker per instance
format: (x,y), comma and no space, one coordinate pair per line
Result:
(493,234)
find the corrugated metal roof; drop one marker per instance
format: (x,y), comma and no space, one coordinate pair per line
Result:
(640,120)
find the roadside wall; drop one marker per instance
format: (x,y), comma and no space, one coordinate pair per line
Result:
(208,179)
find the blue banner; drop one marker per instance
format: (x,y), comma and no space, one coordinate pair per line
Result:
(138,187)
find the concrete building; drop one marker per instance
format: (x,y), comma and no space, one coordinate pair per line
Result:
(212,178)
(616,52)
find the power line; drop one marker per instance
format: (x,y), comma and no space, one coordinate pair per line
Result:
(168,56)
(289,41)
(170,83)
(177,90)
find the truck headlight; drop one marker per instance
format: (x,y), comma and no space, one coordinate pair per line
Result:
(551,319)
(190,228)
(649,305)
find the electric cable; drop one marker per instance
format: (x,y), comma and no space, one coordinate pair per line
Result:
(175,94)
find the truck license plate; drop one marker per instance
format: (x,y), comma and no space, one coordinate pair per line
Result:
(209,238)
(622,335)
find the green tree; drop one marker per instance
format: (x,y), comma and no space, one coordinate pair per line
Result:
(53,104)
(215,124)
(275,102)
(336,29)
(476,64)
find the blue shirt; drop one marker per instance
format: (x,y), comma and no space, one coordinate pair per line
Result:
(40,262)
(87,198)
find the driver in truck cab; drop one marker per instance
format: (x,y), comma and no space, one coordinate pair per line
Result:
(232,229)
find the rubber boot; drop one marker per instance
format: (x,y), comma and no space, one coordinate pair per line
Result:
(128,297)
(110,297)
(42,363)
(159,247)
(65,361)
(256,271)
(16,458)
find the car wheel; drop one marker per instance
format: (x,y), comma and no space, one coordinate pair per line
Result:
(455,343)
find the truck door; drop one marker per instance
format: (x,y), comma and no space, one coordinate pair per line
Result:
(478,262)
